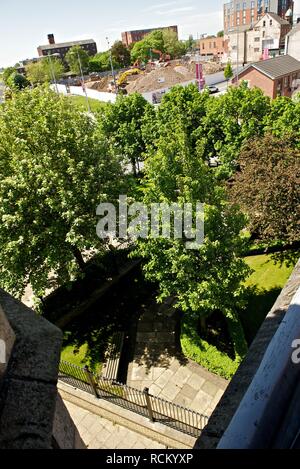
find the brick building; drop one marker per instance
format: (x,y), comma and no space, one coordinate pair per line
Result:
(131,37)
(275,77)
(213,46)
(63,48)
(242,14)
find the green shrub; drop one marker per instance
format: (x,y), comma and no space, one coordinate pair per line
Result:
(205,354)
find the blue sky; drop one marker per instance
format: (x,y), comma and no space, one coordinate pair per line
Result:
(25,24)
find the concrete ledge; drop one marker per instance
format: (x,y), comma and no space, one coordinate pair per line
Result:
(28,388)
(156,431)
(7,340)
(237,388)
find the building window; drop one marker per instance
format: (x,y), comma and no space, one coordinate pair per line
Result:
(252,5)
(256,49)
(264,24)
(244,5)
(244,20)
(256,39)
(238,6)
(271,22)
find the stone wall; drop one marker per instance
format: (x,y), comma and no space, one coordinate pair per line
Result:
(32,414)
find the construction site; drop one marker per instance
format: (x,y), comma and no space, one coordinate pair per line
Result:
(154,76)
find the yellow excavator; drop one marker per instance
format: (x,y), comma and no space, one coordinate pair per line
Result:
(122,79)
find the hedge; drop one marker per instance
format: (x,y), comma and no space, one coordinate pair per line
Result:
(205,354)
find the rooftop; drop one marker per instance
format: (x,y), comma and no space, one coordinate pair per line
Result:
(276,67)
(277,18)
(66,44)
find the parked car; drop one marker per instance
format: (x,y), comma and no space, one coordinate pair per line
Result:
(213,89)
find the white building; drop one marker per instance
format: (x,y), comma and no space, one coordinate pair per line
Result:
(246,46)
(292,42)
(268,33)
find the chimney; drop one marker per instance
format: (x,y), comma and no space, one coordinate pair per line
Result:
(51,39)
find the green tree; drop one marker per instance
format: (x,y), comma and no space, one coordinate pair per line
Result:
(55,169)
(7,73)
(76,56)
(220,33)
(42,71)
(229,121)
(209,278)
(190,43)
(121,123)
(171,45)
(101,62)
(228,72)
(120,54)
(17,81)
(267,187)
(163,40)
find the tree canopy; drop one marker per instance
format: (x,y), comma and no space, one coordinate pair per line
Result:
(77,59)
(210,277)
(165,41)
(267,187)
(55,169)
(101,62)
(121,123)
(42,71)
(18,81)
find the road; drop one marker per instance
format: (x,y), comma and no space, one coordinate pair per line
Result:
(217,79)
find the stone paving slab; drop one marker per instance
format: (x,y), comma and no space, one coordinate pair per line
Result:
(166,373)
(100,433)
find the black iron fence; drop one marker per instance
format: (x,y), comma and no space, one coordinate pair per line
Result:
(141,402)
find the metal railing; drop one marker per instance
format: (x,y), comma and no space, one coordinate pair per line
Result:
(141,402)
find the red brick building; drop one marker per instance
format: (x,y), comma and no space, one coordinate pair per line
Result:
(275,77)
(213,46)
(131,37)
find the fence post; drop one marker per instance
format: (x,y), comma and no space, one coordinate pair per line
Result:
(91,380)
(148,402)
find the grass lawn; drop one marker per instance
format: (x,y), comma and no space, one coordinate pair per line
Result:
(267,281)
(268,274)
(80,102)
(79,358)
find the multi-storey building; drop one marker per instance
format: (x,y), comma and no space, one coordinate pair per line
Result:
(131,37)
(242,14)
(62,49)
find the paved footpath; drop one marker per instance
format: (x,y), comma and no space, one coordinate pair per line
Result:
(158,366)
(99,433)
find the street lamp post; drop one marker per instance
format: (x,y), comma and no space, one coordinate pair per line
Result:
(237,55)
(237,51)
(52,70)
(83,84)
(112,65)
